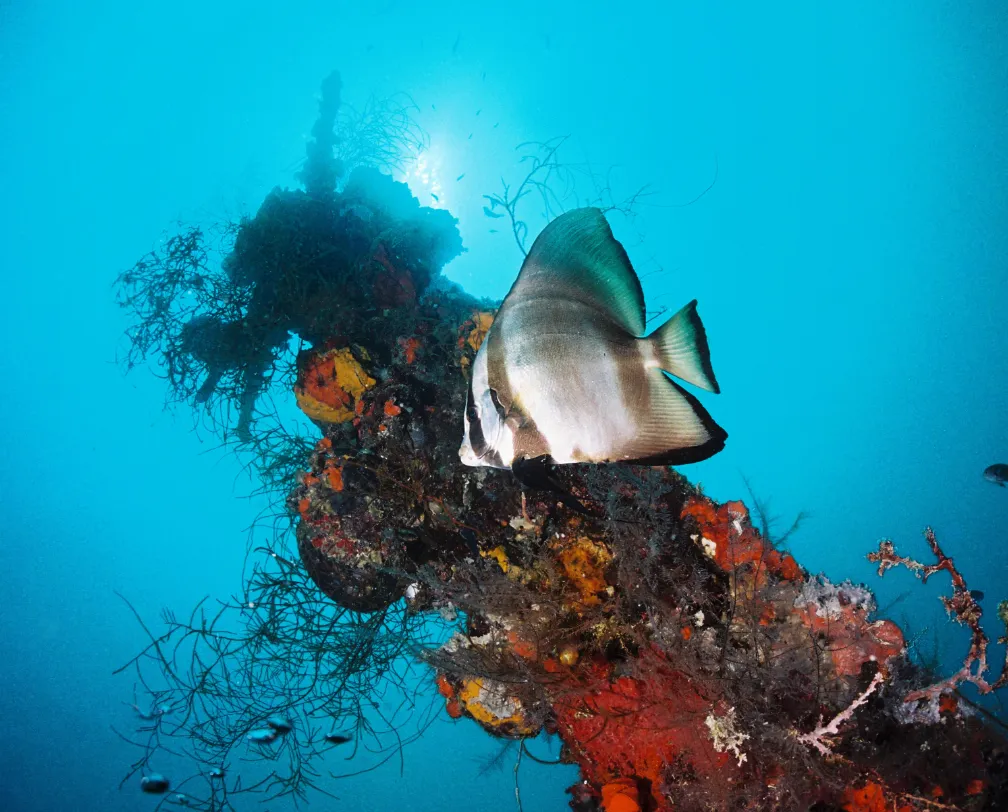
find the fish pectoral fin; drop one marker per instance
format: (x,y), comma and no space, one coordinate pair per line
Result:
(680,348)
(675,430)
(537,473)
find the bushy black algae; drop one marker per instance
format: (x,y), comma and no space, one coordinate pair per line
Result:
(667,640)
(216,310)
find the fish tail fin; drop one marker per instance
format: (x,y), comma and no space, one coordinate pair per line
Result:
(680,348)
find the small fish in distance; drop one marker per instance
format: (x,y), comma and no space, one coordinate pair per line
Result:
(155,784)
(997,473)
(279,724)
(338,738)
(217,772)
(262,736)
(592,387)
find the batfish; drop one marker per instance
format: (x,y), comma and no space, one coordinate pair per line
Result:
(566,373)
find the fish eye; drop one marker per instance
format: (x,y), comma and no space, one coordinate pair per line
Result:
(477,442)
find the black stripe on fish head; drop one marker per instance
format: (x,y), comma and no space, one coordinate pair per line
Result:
(476,439)
(497,374)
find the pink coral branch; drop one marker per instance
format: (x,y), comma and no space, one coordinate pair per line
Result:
(965,609)
(820,737)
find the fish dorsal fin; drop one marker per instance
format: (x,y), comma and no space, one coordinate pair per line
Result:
(577,257)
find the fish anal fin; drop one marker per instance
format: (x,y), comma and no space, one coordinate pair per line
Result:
(533,472)
(675,430)
(680,348)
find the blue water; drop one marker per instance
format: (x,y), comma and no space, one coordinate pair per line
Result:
(851,264)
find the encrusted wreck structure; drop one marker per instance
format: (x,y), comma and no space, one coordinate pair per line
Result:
(684,661)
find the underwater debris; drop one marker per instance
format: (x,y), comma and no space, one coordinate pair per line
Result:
(683,659)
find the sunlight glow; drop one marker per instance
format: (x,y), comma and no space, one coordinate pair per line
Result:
(423,175)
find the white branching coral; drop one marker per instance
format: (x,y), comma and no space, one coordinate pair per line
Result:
(725,735)
(821,737)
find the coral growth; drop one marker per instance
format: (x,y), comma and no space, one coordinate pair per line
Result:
(964,609)
(330,385)
(353,240)
(682,658)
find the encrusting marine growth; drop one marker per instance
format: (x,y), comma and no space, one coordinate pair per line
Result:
(683,660)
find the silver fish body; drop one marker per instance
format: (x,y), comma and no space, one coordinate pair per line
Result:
(263,736)
(565,372)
